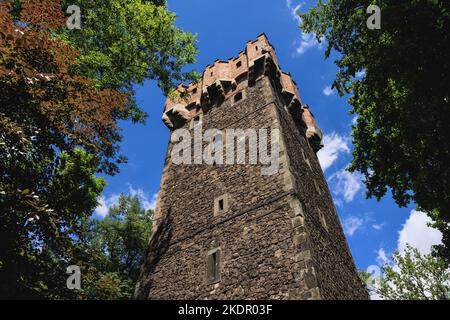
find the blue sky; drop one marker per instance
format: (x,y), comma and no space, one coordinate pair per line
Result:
(373,229)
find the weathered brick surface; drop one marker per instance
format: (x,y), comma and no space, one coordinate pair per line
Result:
(273,240)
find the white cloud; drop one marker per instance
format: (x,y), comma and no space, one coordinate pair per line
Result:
(415,232)
(147,201)
(334,144)
(153,201)
(347,184)
(308,40)
(294,9)
(378,226)
(352,224)
(418,234)
(106,203)
(382,257)
(328,91)
(360,74)
(337,202)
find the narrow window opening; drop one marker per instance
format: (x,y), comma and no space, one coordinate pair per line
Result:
(213,266)
(238,97)
(256,48)
(194,91)
(239,64)
(221,204)
(212,73)
(214,259)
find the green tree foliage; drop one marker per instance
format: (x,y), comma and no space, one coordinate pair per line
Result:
(56,131)
(124,42)
(414,276)
(365,276)
(42,232)
(401,138)
(63,93)
(124,235)
(116,247)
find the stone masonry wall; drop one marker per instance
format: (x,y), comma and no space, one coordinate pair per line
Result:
(280,237)
(255,235)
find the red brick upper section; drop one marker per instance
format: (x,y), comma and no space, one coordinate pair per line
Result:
(232,69)
(231,72)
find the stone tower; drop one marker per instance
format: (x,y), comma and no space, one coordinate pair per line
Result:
(227,231)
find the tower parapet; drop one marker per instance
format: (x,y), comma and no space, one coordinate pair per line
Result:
(220,80)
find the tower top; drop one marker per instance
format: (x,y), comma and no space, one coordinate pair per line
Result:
(220,79)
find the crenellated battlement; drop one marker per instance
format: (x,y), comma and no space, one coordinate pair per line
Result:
(223,78)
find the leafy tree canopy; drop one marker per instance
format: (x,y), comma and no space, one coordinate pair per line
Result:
(63,93)
(401,139)
(124,42)
(116,247)
(414,276)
